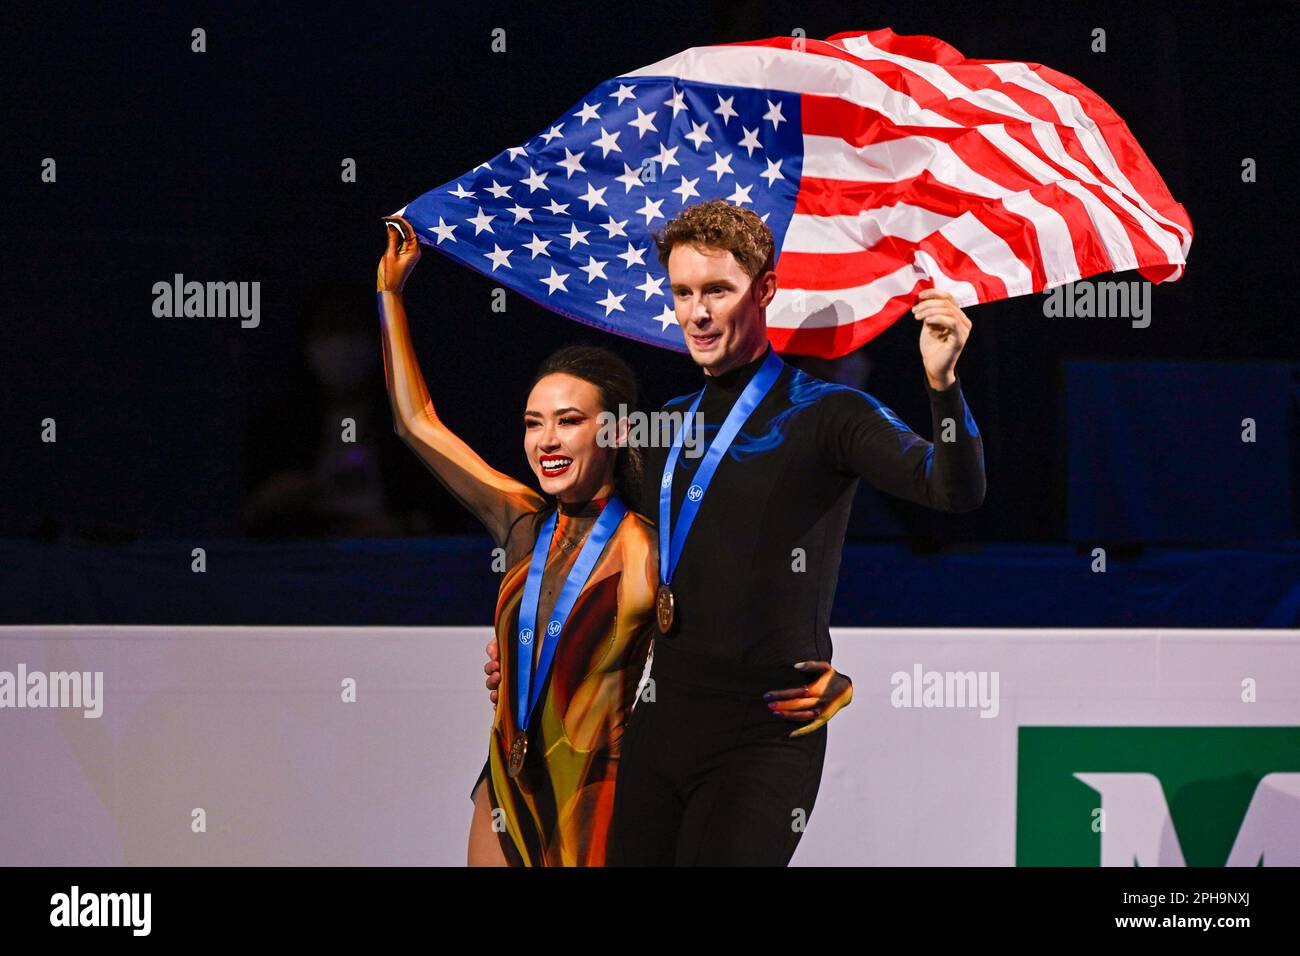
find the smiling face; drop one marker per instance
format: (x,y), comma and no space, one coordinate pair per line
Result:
(720,309)
(561,424)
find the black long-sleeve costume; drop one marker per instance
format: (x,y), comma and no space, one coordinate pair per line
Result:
(708,776)
(788,483)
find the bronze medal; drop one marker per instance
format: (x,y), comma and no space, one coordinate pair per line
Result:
(517,751)
(664,608)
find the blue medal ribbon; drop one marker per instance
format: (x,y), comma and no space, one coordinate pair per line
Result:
(671,544)
(529,685)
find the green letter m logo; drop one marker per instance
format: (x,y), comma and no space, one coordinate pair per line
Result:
(1158,796)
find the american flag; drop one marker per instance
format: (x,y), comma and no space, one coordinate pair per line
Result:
(883,165)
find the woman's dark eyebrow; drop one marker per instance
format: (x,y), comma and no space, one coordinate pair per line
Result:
(561,411)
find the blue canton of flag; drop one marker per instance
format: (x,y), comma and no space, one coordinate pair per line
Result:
(566,218)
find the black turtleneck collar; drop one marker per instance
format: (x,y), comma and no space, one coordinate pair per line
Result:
(738,378)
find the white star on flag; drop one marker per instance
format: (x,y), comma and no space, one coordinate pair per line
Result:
(499,257)
(612,301)
(555,281)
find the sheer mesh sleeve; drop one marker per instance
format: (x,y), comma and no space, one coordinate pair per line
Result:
(498,500)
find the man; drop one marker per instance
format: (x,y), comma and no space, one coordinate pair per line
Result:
(706,776)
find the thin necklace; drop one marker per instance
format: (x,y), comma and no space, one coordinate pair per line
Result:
(568,545)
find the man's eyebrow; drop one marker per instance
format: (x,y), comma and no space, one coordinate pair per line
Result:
(722,281)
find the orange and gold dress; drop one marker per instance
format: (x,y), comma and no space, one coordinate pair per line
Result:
(558,809)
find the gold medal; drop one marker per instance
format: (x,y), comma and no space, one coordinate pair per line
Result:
(664,608)
(517,751)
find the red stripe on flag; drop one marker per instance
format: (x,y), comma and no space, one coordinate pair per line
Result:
(842,339)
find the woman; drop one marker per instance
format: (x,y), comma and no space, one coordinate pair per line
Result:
(554,744)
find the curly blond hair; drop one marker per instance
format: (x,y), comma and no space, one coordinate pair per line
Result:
(720,225)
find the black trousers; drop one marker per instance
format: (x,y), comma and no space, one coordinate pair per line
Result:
(707,775)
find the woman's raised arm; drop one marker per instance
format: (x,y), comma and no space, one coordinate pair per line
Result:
(498,500)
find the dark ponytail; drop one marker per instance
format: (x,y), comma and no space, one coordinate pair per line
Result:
(617,384)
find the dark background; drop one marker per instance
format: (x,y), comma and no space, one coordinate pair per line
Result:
(225,166)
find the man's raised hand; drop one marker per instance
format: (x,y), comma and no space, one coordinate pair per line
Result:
(943,335)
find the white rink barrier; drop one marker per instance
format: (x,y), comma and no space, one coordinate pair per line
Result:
(358,746)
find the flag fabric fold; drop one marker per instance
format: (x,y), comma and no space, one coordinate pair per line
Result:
(883,165)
